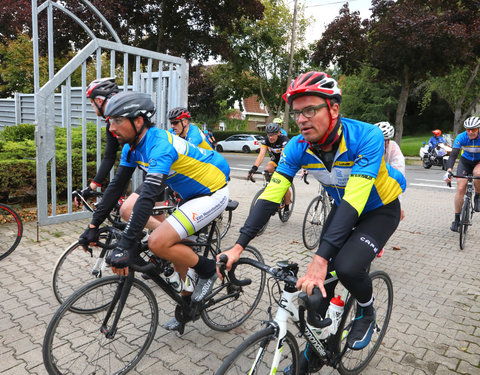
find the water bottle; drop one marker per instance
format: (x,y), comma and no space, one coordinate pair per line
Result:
(190,280)
(173,278)
(334,312)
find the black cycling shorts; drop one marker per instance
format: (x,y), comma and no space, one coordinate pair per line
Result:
(352,262)
(465,166)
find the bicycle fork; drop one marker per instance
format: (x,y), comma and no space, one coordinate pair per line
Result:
(119,297)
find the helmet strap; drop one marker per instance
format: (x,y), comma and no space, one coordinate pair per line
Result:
(134,144)
(99,107)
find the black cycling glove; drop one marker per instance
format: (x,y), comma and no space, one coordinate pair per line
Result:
(120,258)
(89,236)
(252,171)
(87,192)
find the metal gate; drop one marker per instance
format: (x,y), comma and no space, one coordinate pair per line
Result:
(56,169)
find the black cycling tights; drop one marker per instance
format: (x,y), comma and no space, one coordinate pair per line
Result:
(352,262)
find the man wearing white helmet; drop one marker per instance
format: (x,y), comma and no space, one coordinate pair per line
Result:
(469,143)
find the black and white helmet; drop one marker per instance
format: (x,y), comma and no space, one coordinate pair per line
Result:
(472,123)
(130,104)
(387,129)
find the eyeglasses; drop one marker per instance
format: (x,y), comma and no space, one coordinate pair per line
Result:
(307,112)
(174,122)
(471,130)
(116,120)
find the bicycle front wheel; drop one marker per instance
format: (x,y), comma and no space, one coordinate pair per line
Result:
(254,202)
(76,343)
(313,223)
(11,230)
(232,304)
(355,361)
(77,267)
(285,215)
(255,355)
(465,217)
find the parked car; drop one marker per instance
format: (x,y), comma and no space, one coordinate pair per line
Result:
(240,142)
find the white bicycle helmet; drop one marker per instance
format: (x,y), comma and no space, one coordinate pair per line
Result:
(472,123)
(386,128)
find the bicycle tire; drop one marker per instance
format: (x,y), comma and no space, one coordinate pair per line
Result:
(77,267)
(464,222)
(355,361)
(234,304)
(75,344)
(224,225)
(285,215)
(242,359)
(11,230)
(254,201)
(313,223)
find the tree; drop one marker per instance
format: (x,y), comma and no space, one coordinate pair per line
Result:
(460,89)
(406,40)
(202,101)
(261,58)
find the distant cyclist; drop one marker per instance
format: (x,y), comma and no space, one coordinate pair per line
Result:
(278,120)
(469,143)
(347,157)
(99,92)
(179,118)
(274,143)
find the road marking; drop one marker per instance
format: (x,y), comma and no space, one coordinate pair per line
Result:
(428,185)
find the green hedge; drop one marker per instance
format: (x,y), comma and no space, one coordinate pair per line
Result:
(18,167)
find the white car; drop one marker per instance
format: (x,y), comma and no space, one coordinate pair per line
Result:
(240,142)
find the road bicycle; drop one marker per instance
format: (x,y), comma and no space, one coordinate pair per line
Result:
(274,349)
(224,221)
(315,216)
(282,213)
(119,315)
(467,209)
(11,230)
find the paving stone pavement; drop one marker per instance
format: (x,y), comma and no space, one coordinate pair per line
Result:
(434,328)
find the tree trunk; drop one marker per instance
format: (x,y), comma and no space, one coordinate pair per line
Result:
(402,105)
(460,117)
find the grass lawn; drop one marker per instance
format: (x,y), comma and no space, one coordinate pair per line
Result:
(411,144)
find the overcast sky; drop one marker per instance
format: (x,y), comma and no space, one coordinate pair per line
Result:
(324,11)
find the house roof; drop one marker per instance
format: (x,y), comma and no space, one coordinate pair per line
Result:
(252,106)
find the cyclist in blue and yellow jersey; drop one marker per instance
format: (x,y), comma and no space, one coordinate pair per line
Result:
(199,176)
(279,121)
(179,118)
(347,157)
(469,143)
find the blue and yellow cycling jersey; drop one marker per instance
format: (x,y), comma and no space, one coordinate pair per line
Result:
(359,173)
(191,171)
(470,147)
(195,136)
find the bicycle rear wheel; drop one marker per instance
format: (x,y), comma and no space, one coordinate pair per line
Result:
(313,223)
(464,223)
(254,202)
(75,344)
(11,230)
(285,215)
(255,355)
(224,221)
(233,304)
(354,361)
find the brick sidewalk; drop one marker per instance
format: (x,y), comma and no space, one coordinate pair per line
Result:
(434,329)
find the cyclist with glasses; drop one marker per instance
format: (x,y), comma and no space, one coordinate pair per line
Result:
(99,92)
(274,143)
(469,143)
(199,176)
(347,157)
(179,118)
